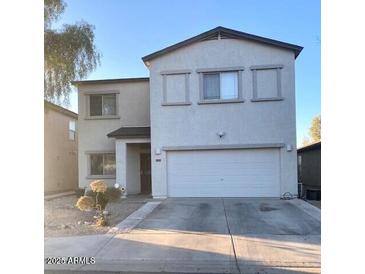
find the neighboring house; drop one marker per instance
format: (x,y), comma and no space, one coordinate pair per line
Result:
(309,171)
(216,118)
(60,149)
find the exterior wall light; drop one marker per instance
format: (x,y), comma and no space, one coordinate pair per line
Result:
(221,134)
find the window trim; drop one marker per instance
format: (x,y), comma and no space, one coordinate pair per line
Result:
(278,96)
(109,176)
(203,71)
(101,93)
(164,75)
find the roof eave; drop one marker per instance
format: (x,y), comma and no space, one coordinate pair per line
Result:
(128,137)
(110,81)
(60,109)
(297,49)
(313,146)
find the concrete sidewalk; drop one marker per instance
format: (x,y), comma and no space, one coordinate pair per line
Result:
(211,235)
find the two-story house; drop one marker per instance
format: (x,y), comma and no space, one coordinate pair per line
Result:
(216,118)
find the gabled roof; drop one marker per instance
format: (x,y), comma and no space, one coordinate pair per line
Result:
(310,147)
(111,81)
(60,109)
(224,33)
(131,132)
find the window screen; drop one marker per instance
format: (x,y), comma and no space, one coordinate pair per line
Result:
(101,105)
(211,86)
(220,85)
(96,164)
(102,164)
(96,102)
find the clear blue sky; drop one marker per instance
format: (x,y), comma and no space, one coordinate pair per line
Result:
(127,30)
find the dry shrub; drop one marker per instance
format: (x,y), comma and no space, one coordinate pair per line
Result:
(85,203)
(98,186)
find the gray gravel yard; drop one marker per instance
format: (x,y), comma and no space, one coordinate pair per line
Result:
(62,218)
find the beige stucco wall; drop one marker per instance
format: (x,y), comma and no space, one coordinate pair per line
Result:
(133,110)
(244,123)
(60,153)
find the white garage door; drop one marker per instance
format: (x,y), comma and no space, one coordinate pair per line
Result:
(224,173)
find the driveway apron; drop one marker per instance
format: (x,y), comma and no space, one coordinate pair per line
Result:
(215,235)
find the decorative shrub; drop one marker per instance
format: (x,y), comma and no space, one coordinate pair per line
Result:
(97,198)
(85,203)
(113,193)
(98,186)
(101,221)
(102,198)
(80,192)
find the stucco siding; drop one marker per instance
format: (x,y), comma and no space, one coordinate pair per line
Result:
(133,110)
(243,123)
(60,153)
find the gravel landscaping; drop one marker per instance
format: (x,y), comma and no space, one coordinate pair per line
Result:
(62,218)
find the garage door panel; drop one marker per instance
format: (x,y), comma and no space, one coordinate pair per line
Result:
(218,168)
(224,173)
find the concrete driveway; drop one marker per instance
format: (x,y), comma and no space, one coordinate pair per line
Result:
(206,235)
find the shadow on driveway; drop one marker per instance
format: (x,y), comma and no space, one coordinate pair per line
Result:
(207,235)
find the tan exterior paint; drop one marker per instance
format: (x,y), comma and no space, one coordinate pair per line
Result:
(244,123)
(133,110)
(60,153)
(263,115)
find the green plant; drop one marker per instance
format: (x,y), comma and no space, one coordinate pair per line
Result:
(97,198)
(113,193)
(69,52)
(85,203)
(102,198)
(80,192)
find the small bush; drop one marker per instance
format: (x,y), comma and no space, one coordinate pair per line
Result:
(80,192)
(101,221)
(98,186)
(85,203)
(102,198)
(113,193)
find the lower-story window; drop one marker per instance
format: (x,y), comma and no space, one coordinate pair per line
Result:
(102,164)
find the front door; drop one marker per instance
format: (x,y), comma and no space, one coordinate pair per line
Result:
(145,173)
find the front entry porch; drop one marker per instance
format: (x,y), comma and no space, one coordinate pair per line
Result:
(133,166)
(133,159)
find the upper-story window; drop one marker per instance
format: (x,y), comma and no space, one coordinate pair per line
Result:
(103,105)
(72,129)
(220,85)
